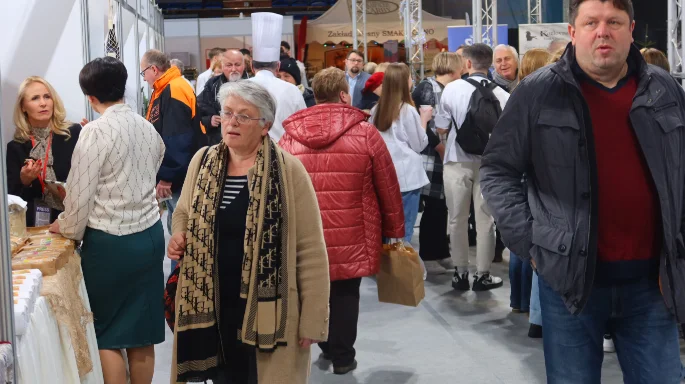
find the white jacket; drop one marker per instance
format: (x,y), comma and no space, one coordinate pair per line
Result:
(405,139)
(287,96)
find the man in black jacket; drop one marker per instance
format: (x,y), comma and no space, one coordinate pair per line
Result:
(233,66)
(600,137)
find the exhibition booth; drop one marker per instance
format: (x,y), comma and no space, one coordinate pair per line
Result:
(329,37)
(54,39)
(191,39)
(46,327)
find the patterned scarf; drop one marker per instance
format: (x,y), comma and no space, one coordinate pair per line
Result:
(42,136)
(264,282)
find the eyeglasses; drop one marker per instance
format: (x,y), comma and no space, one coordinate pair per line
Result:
(355,60)
(241,119)
(142,73)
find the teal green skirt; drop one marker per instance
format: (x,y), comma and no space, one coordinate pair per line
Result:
(125,283)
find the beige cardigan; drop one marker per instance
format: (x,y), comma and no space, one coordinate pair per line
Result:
(307,261)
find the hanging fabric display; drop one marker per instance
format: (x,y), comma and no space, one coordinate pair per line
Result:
(111,44)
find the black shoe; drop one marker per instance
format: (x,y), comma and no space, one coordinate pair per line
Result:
(324,356)
(486,282)
(461,282)
(345,369)
(535,331)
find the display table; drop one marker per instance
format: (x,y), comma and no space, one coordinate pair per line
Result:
(58,343)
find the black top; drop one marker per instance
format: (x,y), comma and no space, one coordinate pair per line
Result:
(17,153)
(423,95)
(308,96)
(369,100)
(230,235)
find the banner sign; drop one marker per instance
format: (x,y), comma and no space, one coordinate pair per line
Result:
(457,36)
(541,35)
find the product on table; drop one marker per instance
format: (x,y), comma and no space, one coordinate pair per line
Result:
(47,261)
(17,219)
(17,243)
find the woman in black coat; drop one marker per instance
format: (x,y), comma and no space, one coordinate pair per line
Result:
(41,150)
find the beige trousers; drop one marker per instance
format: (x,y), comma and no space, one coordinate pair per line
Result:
(462,183)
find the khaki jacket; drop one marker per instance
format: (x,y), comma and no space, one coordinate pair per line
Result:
(309,284)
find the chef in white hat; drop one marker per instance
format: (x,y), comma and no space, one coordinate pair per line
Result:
(266,51)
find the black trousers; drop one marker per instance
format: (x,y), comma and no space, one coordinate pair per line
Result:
(342,326)
(433,241)
(241,369)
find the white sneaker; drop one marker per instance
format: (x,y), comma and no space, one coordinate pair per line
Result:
(446,263)
(434,268)
(609,344)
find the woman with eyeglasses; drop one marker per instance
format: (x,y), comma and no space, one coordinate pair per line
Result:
(253,284)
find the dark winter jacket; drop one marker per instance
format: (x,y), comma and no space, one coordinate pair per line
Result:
(209,106)
(308,96)
(172,111)
(546,133)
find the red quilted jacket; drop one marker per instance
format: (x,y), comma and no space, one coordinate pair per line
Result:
(355,182)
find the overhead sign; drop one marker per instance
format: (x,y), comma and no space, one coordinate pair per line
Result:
(380,7)
(463,35)
(541,35)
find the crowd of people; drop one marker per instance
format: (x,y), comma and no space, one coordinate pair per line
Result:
(281,195)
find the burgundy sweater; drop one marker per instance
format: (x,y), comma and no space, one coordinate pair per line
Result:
(627,202)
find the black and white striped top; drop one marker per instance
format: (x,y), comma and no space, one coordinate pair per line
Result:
(232,188)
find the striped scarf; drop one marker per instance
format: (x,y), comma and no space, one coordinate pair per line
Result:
(264,282)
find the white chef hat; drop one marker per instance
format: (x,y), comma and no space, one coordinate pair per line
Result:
(266,36)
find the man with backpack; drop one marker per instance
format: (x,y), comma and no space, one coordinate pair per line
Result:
(469,111)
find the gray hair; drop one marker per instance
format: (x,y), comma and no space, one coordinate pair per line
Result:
(510,48)
(251,93)
(557,44)
(157,58)
(177,63)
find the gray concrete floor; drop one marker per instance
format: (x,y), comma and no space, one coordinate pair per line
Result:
(451,337)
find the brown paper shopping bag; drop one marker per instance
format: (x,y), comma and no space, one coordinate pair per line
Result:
(400,279)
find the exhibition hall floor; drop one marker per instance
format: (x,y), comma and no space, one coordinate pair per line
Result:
(451,337)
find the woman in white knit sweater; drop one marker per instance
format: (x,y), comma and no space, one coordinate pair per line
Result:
(111,205)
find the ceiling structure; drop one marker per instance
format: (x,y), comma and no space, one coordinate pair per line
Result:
(233,8)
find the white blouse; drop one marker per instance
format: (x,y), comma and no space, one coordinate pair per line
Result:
(405,140)
(111,185)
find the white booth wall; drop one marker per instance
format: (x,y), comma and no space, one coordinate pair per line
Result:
(41,38)
(45,38)
(197,36)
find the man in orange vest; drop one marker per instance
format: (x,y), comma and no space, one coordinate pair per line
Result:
(173,112)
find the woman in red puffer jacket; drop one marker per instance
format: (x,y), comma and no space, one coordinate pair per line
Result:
(359,198)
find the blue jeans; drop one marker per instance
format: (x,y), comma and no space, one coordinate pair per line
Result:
(410,201)
(645,335)
(521,278)
(171,206)
(535,314)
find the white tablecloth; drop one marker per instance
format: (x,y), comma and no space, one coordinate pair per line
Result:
(45,353)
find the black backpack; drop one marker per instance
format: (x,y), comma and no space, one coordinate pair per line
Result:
(484,111)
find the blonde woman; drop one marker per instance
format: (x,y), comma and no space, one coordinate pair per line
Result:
(656,57)
(434,244)
(533,60)
(41,150)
